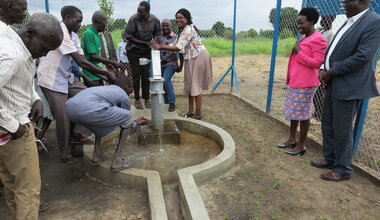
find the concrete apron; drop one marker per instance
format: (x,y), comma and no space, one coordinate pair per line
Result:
(188,178)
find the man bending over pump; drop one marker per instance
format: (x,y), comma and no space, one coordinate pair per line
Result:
(103,109)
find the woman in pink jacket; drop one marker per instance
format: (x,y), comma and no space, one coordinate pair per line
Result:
(302,79)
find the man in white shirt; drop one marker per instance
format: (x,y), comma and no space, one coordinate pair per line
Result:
(349,77)
(19,104)
(54,76)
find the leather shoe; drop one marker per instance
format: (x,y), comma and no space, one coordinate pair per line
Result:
(322,164)
(334,176)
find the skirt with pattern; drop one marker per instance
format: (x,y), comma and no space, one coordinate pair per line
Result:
(298,103)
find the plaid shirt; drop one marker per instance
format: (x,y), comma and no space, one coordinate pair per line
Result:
(167,57)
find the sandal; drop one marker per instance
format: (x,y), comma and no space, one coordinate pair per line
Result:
(41,146)
(138,104)
(188,115)
(43,207)
(147,104)
(124,166)
(198,117)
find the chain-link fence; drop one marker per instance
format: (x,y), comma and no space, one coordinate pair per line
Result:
(254,39)
(332,18)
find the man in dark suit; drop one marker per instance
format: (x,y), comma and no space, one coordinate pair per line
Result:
(348,72)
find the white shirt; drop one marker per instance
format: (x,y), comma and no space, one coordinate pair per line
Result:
(17,93)
(349,23)
(54,70)
(2,26)
(120,52)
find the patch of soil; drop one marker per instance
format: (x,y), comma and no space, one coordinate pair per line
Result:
(73,195)
(268,184)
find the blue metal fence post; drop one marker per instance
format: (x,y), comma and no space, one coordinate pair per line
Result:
(362,112)
(232,69)
(47,6)
(274,53)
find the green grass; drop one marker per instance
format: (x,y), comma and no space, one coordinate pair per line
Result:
(219,47)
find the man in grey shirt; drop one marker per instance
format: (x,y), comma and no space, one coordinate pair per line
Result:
(141,29)
(102,109)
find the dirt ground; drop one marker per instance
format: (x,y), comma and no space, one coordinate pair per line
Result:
(265,183)
(73,195)
(253,73)
(268,184)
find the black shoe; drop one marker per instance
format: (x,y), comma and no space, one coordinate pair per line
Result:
(302,152)
(286,146)
(171,107)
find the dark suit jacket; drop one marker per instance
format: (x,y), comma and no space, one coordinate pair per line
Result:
(111,48)
(352,60)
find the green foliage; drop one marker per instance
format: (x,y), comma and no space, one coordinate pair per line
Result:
(251,33)
(219,47)
(286,33)
(106,7)
(228,33)
(207,33)
(118,24)
(175,28)
(288,19)
(266,33)
(219,28)
(19,26)
(116,37)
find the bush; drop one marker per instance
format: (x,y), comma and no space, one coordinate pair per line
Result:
(267,33)
(286,33)
(207,33)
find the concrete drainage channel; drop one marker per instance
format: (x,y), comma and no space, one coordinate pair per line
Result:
(189,178)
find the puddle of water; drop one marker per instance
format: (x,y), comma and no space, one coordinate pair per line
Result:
(168,158)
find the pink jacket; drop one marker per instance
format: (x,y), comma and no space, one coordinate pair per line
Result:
(303,67)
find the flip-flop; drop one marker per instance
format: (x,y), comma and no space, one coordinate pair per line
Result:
(125,165)
(43,207)
(41,146)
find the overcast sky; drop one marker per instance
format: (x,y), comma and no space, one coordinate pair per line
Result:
(250,13)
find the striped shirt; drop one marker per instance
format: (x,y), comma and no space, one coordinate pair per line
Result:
(17,93)
(54,71)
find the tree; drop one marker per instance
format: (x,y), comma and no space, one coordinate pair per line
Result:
(252,33)
(107,8)
(175,28)
(288,19)
(207,33)
(118,24)
(219,28)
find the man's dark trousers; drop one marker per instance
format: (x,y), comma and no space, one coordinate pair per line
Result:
(337,131)
(139,72)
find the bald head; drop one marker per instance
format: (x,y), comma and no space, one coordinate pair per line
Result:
(13,11)
(41,34)
(99,21)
